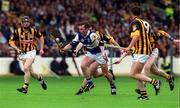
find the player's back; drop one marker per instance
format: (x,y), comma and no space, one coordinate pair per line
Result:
(141,28)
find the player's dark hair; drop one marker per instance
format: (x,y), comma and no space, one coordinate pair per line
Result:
(136,9)
(85,23)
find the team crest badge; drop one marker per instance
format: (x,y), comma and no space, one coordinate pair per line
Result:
(82,40)
(30,36)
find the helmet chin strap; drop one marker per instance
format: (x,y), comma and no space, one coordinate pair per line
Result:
(26,27)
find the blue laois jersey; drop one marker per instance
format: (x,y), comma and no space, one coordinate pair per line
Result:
(90,42)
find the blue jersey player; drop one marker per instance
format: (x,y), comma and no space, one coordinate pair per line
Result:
(95,53)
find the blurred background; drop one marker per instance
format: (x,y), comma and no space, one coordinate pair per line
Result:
(59,17)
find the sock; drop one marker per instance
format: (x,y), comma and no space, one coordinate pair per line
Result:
(40,80)
(153,82)
(82,87)
(89,80)
(143,93)
(25,85)
(113,85)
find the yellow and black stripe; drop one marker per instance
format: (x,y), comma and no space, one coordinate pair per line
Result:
(25,41)
(104,37)
(155,36)
(143,45)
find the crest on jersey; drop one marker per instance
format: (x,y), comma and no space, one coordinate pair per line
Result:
(30,36)
(82,40)
(94,37)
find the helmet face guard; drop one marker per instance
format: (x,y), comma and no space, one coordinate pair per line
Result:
(25,21)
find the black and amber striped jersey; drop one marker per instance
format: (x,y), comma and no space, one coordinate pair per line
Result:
(141,29)
(155,36)
(25,41)
(105,38)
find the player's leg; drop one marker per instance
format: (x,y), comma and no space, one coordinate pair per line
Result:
(137,66)
(146,70)
(162,73)
(94,70)
(86,62)
(39,78)
(147,67)
(81,89)
(148,64)
(151,67)
(26,65)
(104,68)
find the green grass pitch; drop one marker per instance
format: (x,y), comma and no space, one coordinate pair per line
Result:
(61,94)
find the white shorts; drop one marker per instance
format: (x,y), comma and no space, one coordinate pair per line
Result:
(97,57)
(29,54)
(155,52)
(140,57)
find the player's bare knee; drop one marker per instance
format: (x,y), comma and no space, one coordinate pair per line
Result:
(105,74)
(132,74)
(147,68)
(83,66)
(26,68)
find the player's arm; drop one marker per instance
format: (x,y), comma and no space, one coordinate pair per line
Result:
(163,33)
(103,53)
(79,46)
(97,41)
(71,45)
(67,47)
(41,38)
(112,41)
(12,40)
(133,42)
(122,57)
(135,34)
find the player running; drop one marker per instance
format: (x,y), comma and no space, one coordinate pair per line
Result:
(24,42)
(94,66)
(141,49)
(150,65)
(95,53)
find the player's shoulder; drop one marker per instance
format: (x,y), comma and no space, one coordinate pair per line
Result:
(136,21)
(97,32)
(19,29)
(92,34)
(34,29)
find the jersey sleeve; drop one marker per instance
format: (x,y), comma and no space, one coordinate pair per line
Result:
(135,29)
(95,39)
(38,33)
(13,38)
(75,41)
(152,38)
(161,33)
